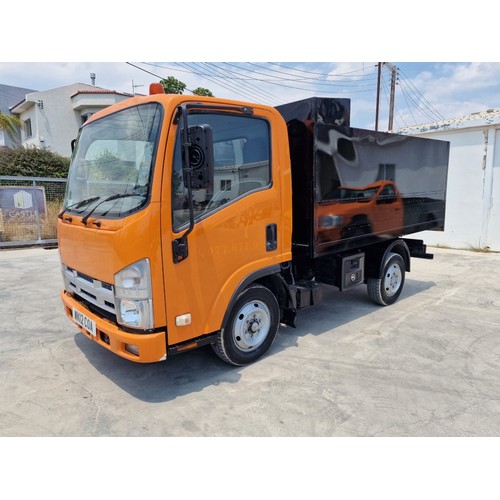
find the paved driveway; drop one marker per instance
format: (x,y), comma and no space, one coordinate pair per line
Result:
(427,366)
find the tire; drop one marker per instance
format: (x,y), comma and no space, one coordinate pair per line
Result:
(251,327)
(387,289)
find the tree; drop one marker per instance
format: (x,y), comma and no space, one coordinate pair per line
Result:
(10,124)
(173,86)
(202,91)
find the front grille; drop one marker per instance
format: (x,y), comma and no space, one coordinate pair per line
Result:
(88,294)
(84,277)
(93,291)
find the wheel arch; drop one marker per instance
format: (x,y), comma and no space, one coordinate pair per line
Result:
(377,256)
(271,278)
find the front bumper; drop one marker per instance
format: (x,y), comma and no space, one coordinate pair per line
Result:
(152,347)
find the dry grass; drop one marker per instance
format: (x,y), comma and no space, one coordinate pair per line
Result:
(472,248)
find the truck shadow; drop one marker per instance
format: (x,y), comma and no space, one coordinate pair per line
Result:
(341,308)
(195,370)
(183,374)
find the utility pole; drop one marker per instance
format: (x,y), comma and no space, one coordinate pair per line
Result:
(378,95)
(394,77)
(394,74)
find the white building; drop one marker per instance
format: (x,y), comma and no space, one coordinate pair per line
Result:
(473,191)
(53,117)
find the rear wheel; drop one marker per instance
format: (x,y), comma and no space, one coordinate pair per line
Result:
(251,327)
(387,289)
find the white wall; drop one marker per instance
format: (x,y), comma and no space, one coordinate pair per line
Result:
(493,229)
(473,189)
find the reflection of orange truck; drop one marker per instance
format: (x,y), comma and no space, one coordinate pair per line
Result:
(191,221)
(374,209)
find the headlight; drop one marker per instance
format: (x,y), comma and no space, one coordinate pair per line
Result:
(133,296)
(331,221)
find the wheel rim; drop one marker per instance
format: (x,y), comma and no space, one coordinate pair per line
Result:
(393,279)
(252,325)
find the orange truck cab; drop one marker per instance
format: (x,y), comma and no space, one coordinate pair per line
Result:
(192,220)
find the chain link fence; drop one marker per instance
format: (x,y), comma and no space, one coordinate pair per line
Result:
(28,210)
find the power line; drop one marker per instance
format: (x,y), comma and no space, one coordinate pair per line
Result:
(189,70)
(248,85)
(231,86)
(278,82)
(429,112)
(275,79)
(270,78)
(149,72)
(225,86)
(413,97)
(213,76)
(237,75)
(248,76)
(321,77)
(248,82)
(425,102)
(406,97)
(346,74)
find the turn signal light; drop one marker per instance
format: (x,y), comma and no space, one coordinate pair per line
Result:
(183,319)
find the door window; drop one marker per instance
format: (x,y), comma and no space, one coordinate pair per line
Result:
(242,165)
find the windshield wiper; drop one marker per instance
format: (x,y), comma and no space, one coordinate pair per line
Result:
(109,198)
(78,204)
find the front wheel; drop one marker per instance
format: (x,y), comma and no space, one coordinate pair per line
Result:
(251,327)
(387,289)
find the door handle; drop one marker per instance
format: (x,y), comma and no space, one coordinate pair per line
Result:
(271,237)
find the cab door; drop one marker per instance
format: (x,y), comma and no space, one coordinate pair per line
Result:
(237,221)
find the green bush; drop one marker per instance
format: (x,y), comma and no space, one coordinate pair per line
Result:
(32,162)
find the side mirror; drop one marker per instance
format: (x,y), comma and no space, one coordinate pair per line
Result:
(200,157)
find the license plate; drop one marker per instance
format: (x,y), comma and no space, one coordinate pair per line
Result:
(84,322)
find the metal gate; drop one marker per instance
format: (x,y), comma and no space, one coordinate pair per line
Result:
(28,210)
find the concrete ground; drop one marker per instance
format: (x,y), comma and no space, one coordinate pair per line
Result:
(427,366)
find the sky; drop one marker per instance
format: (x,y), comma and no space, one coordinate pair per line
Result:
(424,92)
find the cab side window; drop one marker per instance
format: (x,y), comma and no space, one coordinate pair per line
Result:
(242,165)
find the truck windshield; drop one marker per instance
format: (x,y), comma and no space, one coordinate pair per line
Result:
(111,169)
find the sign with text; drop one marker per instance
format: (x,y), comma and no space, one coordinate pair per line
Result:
(22,203)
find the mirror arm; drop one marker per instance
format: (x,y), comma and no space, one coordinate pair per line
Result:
(187,165)
(180,245)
